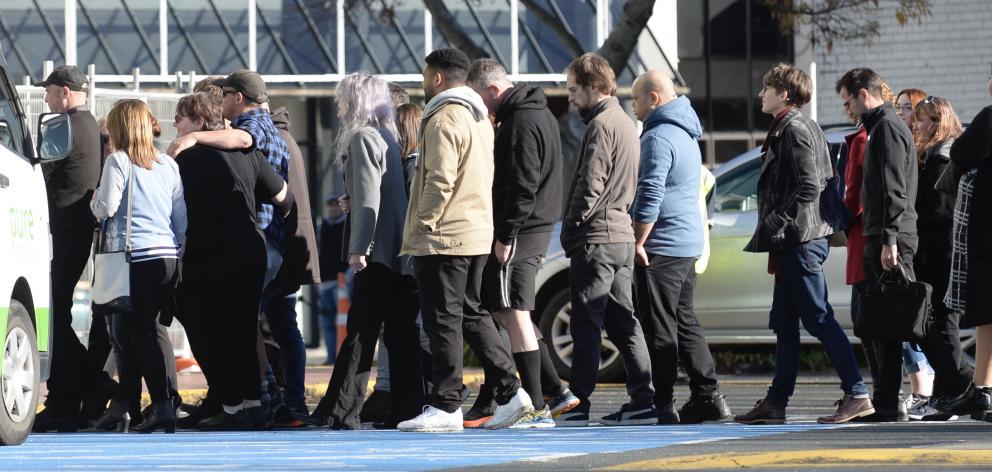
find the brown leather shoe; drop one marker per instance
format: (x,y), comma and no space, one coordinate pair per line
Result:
(848,408)
(762,413)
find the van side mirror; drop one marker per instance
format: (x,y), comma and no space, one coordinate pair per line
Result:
(54,136)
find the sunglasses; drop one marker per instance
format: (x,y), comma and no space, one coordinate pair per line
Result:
(931,100)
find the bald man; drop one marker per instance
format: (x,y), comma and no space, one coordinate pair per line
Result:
(668,232)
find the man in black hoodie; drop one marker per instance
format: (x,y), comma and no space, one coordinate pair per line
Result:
(888,194)
(527,186)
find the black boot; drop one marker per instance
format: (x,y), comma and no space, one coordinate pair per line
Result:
(974,401)
(116,418)
(162,415)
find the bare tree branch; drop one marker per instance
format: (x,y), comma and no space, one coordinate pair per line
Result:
(844,20)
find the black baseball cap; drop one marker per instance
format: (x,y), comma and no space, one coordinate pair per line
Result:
(66,76)
(249,83)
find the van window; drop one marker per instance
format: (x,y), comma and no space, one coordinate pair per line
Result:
(11,133)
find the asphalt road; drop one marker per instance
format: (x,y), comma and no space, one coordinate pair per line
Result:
(799,445)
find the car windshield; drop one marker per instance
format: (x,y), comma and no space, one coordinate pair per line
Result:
(737,190)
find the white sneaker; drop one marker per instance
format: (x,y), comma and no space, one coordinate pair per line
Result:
(535,419)
(433,420)
(509,413)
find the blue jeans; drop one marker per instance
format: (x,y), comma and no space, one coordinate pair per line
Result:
(913,359)
(801,295)
(281,314)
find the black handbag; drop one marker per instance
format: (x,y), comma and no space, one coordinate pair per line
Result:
(893,308)
(832,209)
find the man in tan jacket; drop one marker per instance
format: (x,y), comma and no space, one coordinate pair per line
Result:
(449,231)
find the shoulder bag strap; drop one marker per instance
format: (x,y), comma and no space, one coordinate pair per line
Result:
(130,191)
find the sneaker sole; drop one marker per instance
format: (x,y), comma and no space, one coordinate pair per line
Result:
(512,419)
(445,429)
(761,422)
(533,426)
(572,424)
(560,410)
(473,424)
(641,422)
(703,420)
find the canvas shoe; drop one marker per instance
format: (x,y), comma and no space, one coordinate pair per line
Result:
(563,403)
(513,410)
(630,416)
(925,411)
(433,420)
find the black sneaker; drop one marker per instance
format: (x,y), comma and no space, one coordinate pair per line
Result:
(261,420)
(576,417)
(377,407)
(704,408)
(631,416)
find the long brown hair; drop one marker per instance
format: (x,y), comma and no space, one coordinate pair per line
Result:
(939,111)
(408,116)
(132,127)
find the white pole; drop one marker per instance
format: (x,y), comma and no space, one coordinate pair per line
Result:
(340,46)
(514,37)
(812,101)
(91,96)
(602,21)
(163,38)
(428,32)
(70,32)
(252,35)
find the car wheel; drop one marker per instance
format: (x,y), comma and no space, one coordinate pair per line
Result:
(554,324)
(21,377)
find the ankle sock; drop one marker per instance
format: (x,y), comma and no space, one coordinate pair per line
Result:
(233,409)
(529,367)
(252,403)
(550,382)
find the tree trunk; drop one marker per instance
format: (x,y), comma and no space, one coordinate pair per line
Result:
(623,39)
(452,31)
(557,26)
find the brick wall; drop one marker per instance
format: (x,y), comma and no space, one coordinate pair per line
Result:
(947,55)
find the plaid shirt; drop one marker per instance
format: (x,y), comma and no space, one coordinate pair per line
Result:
(957,289)
(258,123)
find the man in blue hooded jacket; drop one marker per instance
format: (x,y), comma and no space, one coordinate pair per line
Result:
(669,238)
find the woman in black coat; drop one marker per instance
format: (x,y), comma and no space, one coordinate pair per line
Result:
(972,151)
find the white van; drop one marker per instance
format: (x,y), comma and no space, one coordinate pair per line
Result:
(25,258)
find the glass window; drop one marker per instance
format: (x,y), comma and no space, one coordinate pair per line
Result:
(737,190)
(11,133)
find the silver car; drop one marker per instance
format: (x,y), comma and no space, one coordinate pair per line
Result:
(732,297)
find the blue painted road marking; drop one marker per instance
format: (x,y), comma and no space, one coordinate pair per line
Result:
(321,449)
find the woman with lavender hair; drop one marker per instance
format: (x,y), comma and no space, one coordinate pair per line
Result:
(367,152)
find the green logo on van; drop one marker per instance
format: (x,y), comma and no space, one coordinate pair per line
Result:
(22,224)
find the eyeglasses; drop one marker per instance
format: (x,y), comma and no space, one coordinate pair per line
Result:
(847,103)
(906,107)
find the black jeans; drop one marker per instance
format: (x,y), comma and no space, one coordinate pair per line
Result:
(75,369)
(135,334)
(601,278)
(885,357)
(664,292)
(220,297)
(381,299)
(450,299)
(943,344)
